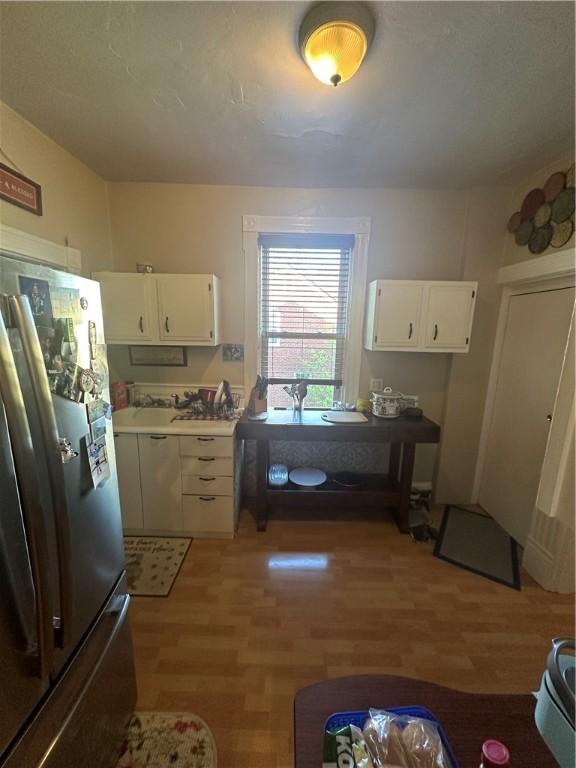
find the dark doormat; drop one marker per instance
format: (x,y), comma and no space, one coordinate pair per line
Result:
(475,542)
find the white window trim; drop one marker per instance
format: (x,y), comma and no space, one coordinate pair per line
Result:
(252,226)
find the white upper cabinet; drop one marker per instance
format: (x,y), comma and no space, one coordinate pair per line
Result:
(160,308)
(397,316)
(128,308)
(419,315)
(449,315)
(186,307)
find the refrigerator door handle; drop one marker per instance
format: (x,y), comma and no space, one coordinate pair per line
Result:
(22,314)
(32,513)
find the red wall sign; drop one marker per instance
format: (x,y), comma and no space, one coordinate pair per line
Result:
(20,190)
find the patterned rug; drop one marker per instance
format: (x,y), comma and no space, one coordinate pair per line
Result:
(152,563)
(167,740)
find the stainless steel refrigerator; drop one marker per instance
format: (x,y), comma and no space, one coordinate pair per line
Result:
(67,684)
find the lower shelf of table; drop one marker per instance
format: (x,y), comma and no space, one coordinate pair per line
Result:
(374,491)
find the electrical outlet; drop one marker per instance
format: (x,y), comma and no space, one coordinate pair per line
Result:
(376,385)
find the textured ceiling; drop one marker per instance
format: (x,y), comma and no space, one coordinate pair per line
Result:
(451,93)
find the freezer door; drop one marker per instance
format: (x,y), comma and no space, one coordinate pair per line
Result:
(25,607)
(81,724)
(57,338)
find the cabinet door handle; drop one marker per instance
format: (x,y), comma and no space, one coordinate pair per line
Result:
(205,439)
(207,479)
(116,434)
(141,324)
(166,325)
(410,331)
(157,437)
(204,458)
(435,331)
(207,498)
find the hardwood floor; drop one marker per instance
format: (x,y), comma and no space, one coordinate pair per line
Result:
(251,620)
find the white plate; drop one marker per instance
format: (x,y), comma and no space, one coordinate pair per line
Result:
(307,477)
(344,417)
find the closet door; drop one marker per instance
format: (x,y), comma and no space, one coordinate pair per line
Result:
(534,345)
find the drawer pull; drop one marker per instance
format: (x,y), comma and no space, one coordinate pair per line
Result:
(205,439)
(207,479)
(207,498)
(204,458)
(157,437)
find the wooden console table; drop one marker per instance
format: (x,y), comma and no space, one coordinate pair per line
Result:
(467,718)
(385,490)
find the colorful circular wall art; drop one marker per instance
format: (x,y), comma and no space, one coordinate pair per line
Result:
(546,216)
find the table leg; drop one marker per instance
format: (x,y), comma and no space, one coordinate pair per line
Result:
(394,461)
(261,484)
(403,513)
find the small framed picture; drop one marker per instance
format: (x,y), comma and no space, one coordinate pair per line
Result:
(168,356)
(233,353)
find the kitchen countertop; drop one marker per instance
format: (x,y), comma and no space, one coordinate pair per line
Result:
(159,421)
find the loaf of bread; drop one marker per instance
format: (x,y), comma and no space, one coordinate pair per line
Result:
(384,741)
(423,745)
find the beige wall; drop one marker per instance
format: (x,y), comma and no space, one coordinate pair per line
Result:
(488,246)
(514,253)
(466,389)
(416,234)
(186,228)
(75,199)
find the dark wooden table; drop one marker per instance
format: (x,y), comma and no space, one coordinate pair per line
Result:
(386,490)
(468,719)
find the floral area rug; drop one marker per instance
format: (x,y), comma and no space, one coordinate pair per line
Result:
(152,563)
(167,740)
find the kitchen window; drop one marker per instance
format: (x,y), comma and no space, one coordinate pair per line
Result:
(304,309)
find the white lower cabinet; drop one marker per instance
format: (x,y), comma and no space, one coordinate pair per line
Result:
(128,469)
(207,466)
(187,484)
(161,482)
(208,504)
(205,515)
(207,485)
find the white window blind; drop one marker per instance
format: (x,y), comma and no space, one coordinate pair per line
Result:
(304,304)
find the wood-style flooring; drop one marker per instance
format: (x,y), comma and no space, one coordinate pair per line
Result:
(251,620)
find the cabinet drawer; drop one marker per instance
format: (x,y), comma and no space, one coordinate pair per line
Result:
(205,445)
(207,485)
(208,514)
(206,466)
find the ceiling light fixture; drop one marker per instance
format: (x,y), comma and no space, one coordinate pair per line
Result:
(334,38)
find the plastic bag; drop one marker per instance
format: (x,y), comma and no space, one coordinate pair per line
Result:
(346,748)
(403,741)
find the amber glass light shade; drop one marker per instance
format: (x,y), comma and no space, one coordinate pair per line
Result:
(334,38)
(335,51)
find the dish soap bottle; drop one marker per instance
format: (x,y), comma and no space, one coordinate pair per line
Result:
(494,754)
